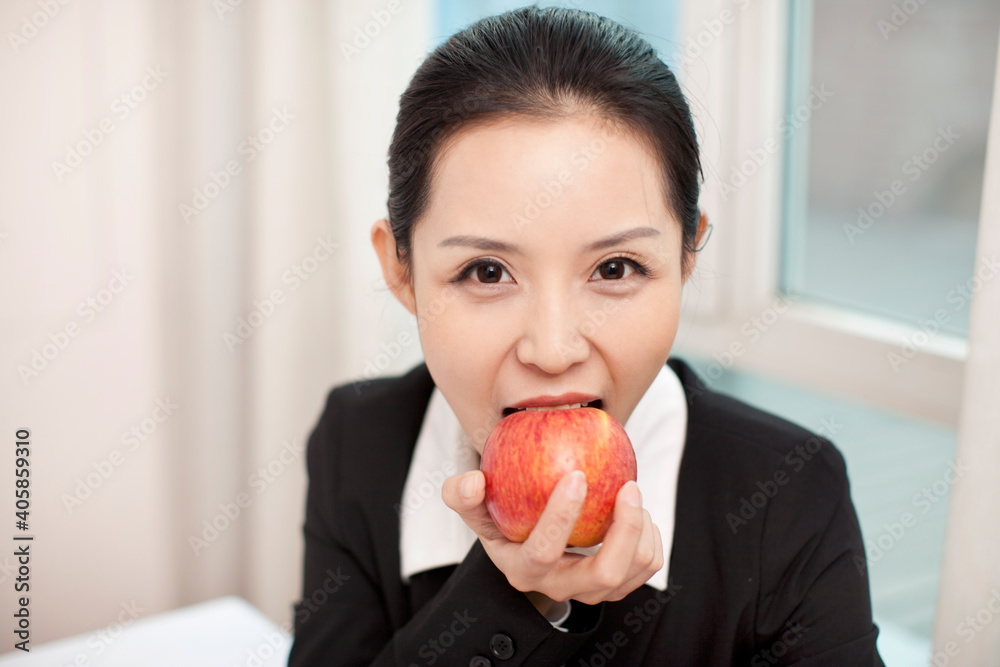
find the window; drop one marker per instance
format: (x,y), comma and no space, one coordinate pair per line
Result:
(883,189)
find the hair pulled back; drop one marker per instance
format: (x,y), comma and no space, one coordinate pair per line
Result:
(546,63)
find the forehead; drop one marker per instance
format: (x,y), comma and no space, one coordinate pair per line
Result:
(517,169)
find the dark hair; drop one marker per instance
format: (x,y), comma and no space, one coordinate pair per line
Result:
(541,62)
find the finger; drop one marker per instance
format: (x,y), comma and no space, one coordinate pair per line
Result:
(658,560)
(465,494)
(611,566)
(644,573)
(547,541)
(639,570)
(645,551)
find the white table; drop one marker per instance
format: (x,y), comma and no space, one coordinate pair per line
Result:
(227,632)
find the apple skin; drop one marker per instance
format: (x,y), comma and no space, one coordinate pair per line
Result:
(528,452)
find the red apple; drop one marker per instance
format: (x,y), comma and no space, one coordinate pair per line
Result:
(529,451)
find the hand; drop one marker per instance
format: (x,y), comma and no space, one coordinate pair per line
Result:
(631,553)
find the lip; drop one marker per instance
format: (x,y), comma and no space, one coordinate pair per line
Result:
(550,401)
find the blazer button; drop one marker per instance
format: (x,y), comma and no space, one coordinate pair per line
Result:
(480,661)
(502,646)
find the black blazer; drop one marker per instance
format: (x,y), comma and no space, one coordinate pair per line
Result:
(767,565)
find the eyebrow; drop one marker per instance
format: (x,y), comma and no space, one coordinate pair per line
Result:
(628,235)
(483,243)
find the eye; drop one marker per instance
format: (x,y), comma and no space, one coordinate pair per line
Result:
(486,272)
(617,269)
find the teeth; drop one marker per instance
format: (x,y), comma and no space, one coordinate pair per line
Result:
(568,406)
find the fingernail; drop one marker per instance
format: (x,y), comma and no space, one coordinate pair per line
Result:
(467,488)
(577,485)
(632,495)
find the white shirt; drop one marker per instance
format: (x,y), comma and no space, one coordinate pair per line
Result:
(433,535)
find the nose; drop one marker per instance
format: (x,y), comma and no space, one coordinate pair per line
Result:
(551,340)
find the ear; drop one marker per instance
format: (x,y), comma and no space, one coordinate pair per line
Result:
(393,270)
(700,239)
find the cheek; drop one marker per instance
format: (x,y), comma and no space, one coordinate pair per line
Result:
(644,343)
(453,322)
(439,334)
(460,343)
(463,352)
(641,326)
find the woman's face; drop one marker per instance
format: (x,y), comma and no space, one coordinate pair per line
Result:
(545,271)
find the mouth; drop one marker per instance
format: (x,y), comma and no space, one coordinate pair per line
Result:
(599,404)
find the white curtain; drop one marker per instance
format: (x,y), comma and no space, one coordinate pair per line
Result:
(186,193)
(966,628)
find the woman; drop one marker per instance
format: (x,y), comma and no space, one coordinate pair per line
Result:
(543,218)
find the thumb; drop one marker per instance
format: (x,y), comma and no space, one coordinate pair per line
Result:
(466,494)
(465,491)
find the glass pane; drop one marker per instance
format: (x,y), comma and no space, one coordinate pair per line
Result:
(885,173)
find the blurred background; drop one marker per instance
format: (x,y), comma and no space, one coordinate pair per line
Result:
(186,194)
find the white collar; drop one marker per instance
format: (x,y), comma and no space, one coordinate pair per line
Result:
(432,535)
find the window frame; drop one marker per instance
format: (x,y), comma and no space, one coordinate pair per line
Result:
(742,76)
